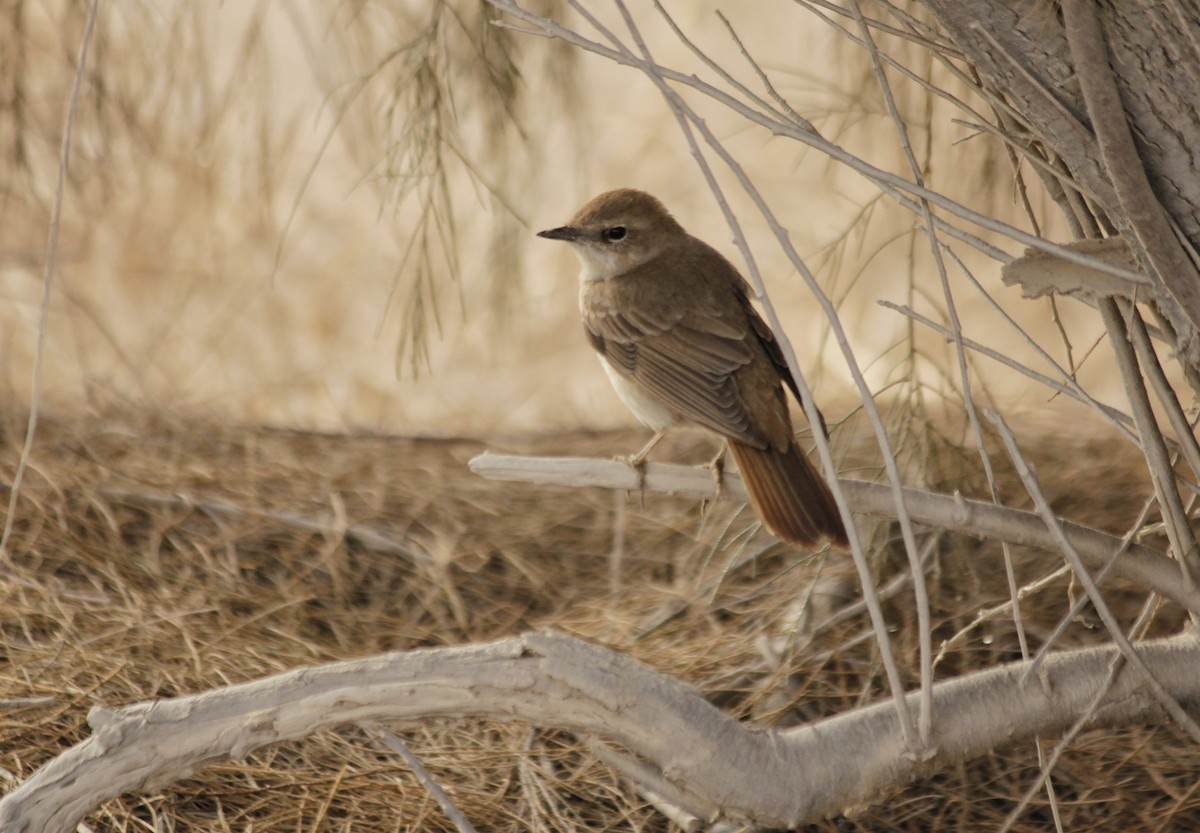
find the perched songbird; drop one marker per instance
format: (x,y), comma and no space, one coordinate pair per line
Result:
(673,324)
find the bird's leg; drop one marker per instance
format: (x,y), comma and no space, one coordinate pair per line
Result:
(638,461)
(717,467)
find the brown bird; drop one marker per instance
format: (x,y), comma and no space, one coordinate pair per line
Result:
(672,321)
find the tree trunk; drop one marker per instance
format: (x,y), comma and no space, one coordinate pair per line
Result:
(1040,63)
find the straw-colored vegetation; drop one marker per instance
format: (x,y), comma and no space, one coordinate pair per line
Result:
(132,585)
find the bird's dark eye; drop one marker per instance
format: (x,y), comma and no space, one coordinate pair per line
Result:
(614,233)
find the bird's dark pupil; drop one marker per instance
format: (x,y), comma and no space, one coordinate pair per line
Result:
(615,233)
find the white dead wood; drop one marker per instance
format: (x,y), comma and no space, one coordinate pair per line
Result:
(716,767)
(1137,562)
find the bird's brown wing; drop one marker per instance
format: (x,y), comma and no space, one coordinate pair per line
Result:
(686,358)
(767,339)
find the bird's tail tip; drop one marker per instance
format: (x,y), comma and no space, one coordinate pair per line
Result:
(790,496)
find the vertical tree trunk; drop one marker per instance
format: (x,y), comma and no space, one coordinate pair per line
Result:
(1028,54)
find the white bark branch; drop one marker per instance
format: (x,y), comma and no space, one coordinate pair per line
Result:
(717,766)
(1138,563)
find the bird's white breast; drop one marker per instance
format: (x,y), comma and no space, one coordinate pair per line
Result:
(649,411)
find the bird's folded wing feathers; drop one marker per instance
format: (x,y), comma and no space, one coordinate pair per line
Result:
(687,360)
(767,339)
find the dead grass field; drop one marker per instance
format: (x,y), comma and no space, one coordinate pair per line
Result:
(163,557)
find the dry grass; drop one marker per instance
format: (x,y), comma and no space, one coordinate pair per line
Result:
(115,595)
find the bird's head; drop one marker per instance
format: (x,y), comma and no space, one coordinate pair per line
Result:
(618,231)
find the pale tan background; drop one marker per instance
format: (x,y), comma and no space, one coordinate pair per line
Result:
(166,296)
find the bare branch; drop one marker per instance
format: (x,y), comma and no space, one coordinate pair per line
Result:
(1118,419)
(1144,565)
(1154,447)
(1148,360)
(721,768)
(687,118)
(919,589)
(901,189)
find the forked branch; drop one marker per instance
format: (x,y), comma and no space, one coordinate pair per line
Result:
(715,766)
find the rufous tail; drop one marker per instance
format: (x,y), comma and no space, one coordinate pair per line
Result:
(789,495)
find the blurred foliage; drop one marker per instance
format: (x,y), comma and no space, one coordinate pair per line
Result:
(426,99)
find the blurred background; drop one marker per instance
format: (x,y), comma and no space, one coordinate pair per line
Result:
(322,215)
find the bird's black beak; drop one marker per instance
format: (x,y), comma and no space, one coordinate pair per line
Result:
(561,233)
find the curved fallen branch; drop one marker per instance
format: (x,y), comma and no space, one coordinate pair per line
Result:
(1138,563)
(691,752)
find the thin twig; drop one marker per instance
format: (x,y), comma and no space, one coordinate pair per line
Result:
(675,804)
(763,78)
(723,73)
(1136,631)
(924,625)
(896,186)
(364,535)
(1064,622)
(1148,360)
(64,155)
(999,610)
(928,40)
(616,553)
(394,743)
(1118,419)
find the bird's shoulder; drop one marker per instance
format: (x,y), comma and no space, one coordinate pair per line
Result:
(690,284)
